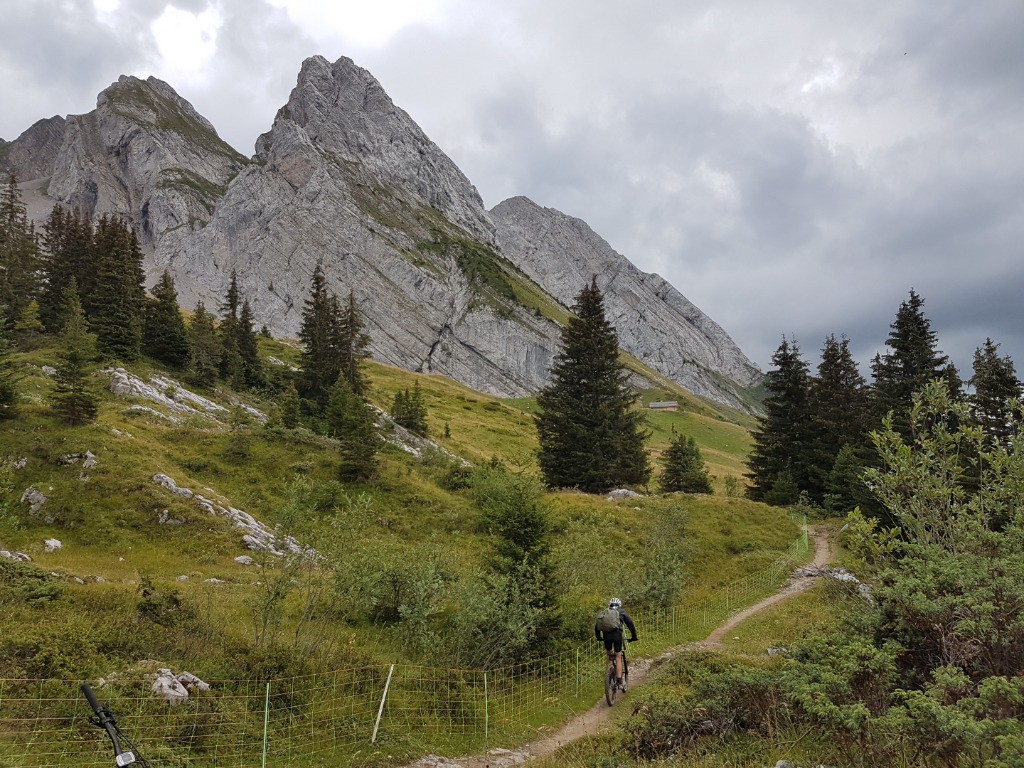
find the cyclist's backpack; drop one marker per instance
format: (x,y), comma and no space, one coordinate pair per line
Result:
(609,620)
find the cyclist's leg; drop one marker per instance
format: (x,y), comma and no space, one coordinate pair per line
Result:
(619,655)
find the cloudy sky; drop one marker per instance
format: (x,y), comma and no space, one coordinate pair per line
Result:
(791,167)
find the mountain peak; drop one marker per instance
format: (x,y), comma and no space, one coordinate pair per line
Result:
(344,114)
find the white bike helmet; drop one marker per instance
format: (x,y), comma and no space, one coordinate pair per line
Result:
(615,603)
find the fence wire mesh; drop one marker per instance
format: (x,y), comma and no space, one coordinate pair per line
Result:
(348,716)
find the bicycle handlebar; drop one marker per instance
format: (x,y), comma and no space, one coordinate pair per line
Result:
(105,719)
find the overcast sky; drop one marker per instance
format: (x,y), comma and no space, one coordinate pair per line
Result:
(791,167)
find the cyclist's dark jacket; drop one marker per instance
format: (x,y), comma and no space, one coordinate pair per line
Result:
(617,633)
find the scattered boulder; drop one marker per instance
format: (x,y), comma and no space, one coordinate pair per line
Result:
(623,493)
(183,577)
(34,498)
(49,370)
(52,545)
(166,686)
(165,518)
(18,557)
(192,683)
(244,560)
(21,463)
(214,581)
(172,486)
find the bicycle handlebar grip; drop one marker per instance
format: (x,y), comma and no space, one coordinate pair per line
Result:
(91,698)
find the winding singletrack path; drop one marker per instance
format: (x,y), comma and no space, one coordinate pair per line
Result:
(589,722)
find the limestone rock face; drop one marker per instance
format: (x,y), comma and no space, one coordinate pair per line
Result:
(655,323)
(144,153)
(32,154)
(347,180)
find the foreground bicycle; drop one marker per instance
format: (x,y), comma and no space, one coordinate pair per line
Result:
(124,750)
(612,688)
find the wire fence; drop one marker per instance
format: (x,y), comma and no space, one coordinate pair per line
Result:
(358,716)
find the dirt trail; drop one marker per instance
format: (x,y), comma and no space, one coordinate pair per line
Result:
(590,721)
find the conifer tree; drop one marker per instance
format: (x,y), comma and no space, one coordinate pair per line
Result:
(782,437)
(204,347)
(839,413)
(165,337)
(230,364)
(68,253)
(410,410)
(8,385)
(290,406)
(249,349)
(73,401)
(20,263)
(350,421)
(28,327)
(683,468)
(591,435)
(353,345)
(912,361)
(320,362)
(995,384)
(116,303)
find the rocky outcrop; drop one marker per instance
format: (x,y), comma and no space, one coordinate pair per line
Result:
(33,153)
(656,324)
(144,153)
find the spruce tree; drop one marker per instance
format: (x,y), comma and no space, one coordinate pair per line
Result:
(410,411)
(321,361)
(204,347)
(353,345)
(782,437)
(73,401)
(165,337)
(683,468)
(8,385)
(249,349)
(116,304)
(230,364)
(28,327)
(912,361)
(350,421)
(20,261)
(839,413)
(290,406)
(68,253)
(591,435)
(995,384)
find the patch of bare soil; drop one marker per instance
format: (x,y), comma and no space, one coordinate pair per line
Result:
(590,722)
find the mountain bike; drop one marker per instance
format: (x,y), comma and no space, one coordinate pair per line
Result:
(124,750)
(611,676)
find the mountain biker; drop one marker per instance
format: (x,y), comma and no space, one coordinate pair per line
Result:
(606,631)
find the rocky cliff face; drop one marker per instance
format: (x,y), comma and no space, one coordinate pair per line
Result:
(144,153)
(346,179)
(32,154)
(655,323)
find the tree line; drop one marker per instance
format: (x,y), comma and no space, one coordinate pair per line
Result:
(81,281)
(814,440)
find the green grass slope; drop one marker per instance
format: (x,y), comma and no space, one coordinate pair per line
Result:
(147,574)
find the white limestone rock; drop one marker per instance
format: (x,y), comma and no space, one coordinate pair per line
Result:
(34,498)
(52,545)
(655,323)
